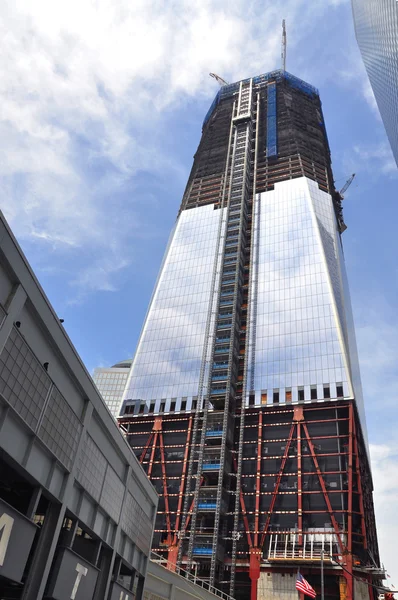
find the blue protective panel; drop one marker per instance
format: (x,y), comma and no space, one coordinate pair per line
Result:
(301,85)
(203,551)
(271,121)
(212,108)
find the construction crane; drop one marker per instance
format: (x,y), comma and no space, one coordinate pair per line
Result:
(283,52)
(338,198)
(219,79)
(346,186)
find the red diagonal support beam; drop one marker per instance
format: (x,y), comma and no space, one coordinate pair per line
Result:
(245,519)
(243,509)
(152,457)
(323,487)
(278,481)
(145,450)
(165,490)
(183,476)
(173,548)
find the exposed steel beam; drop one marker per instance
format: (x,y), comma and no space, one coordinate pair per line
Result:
(183,476)
(145,450)
(323,487)
(360,490)
(275,492)
(258,478)
(350,476)
(150,466)
(165,490)
(244,512)
(299,487)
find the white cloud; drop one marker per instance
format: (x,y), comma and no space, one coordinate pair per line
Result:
(83,82)
(385,479)
(377,337)
(380,157)
(370,98)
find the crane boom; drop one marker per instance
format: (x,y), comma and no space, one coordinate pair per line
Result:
(347,184)
(283,52)
(219,79)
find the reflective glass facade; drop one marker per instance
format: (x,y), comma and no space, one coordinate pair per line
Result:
(168,361)
(111,382)
(376,29)
(299,340)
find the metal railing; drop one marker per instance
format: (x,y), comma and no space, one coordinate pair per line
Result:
(311,546)
(190,577)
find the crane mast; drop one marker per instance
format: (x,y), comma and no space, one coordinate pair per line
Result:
(346,185)
(283,52)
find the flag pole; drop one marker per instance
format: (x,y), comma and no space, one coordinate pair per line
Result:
(322,582)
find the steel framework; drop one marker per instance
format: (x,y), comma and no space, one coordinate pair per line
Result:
(294,503)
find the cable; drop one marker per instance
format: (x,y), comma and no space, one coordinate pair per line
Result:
(377,587)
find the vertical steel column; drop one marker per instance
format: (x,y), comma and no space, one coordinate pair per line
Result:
(299,486)
(258,478)
(255,555)
(360,490)
(348,554)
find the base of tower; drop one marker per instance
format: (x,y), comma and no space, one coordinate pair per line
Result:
(281,585)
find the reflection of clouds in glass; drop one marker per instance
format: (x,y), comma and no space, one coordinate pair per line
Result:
(297,340)
(169,355)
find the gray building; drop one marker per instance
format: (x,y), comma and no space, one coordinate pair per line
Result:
(111,382)
(76,509)
(376,30)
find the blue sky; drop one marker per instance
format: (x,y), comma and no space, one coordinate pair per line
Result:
(100,114)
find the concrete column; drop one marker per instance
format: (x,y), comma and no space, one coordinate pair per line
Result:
(47,545)
(172,591)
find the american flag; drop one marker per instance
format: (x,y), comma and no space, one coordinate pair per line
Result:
(303,586)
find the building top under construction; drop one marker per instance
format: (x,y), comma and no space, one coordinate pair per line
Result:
(229,90)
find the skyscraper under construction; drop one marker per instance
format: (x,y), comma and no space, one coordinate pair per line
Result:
(244,400)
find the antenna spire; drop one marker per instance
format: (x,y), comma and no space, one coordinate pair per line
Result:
(283,53)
